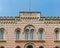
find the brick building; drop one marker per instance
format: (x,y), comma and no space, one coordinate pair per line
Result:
(29,30)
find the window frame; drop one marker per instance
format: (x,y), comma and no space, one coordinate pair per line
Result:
(41,34)
(30,34)
(18,34)
(2,35)
(56,35)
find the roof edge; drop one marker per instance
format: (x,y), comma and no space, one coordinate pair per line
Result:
(29,12)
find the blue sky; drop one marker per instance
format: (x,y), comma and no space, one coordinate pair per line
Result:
(46,7)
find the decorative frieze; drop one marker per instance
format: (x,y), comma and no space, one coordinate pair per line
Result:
(12,20)
(29,17)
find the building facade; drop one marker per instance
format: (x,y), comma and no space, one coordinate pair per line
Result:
(29,30)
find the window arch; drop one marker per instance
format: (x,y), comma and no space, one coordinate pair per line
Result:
(17,34)
(56,35)
(56,47)
(30,46)
(1,33)
(29,31)
(2,47)
(17,46)
(40,33)
(41,47)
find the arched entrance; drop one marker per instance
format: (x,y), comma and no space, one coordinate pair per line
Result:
(30,46)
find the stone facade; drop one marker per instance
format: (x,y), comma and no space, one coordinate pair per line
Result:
(25,19)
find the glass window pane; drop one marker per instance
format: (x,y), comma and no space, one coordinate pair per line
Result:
(27,30)
(1,34)
(56,35)
(18,34)
(27,34)
(32,30)
(40,34)
(31,33)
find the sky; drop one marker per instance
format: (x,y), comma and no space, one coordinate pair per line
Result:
(46,7)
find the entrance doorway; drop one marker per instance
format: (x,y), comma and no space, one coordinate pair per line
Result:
(30,46)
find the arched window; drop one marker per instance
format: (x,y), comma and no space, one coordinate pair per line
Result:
(40,33)
(56,37)
(29,33)
(1,33)
(17,34)
(56,47)
(2,47)
(17,46)
(41,47)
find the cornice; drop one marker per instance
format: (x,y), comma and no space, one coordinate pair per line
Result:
(46,20)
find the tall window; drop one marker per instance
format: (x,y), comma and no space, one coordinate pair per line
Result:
(17,34)
(1,34)
(29,33)
(56,35)
(40,34)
